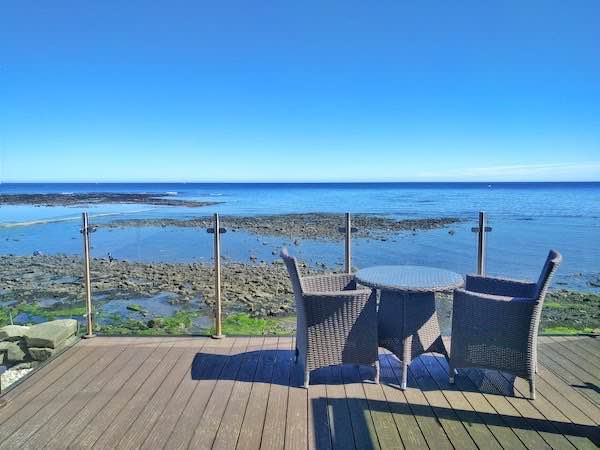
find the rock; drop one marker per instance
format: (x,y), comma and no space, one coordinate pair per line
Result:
(12,352)
(12,332)
(156,323)
(40,353)
(25,365)
(51,334)
(137,308)
(594,282)
(11,376)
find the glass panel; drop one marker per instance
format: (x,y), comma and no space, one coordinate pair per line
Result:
(42,304)
(151,274)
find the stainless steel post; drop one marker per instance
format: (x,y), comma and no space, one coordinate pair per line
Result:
(348,245)
(481,243)
(217,243)
(88,285)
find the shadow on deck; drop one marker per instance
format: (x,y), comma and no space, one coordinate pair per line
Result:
(246,393)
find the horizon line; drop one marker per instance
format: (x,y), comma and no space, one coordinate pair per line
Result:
(297,182)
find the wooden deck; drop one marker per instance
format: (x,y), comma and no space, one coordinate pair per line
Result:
(243,393)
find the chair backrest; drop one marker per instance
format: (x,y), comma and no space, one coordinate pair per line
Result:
(552,262)
(292,267)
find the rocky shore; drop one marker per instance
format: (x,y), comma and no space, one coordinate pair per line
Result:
(319,226)
(257,291)
(98,198)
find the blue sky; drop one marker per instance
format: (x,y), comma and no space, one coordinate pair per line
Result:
(299,91)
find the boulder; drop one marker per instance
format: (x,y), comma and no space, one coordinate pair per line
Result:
(41,353)
(50,334)
(12,352)
(12,332)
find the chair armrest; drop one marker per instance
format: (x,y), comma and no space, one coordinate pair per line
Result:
(329,295)
(490,313)
(470,296)
(333,282)
(502,287)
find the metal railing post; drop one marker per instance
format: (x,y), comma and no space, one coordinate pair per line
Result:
(347,229)
(217,230)
(86,230)
(481,230)
(348,245)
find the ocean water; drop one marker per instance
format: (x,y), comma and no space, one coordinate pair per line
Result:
(527,219)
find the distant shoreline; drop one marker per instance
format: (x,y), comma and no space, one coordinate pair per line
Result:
(98,198)
(93,184)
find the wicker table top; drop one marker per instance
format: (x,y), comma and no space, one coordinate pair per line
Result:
(409,278)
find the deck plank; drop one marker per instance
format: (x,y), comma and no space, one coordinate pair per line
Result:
(97,427)
(522,427)
(383,420)
(363,427)
(130,413)
(254,417)
(430,427)
(153,409)
(230,426)
(186,392)
(85,401)
(545,428)
(497,424)
(29,409)
(408,427)
(587,369)
(92,406)
(575,344)
(296,436)
(450,421)
(26,430)
(570,375)
(30,387)
(581,437)
(338,412)
(472,421)
(207,371)
(207,428)
(275,419)
(544,376)
(319,436)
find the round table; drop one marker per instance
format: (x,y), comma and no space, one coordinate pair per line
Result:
(407,320)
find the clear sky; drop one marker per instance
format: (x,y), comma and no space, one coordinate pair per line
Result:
(103,90)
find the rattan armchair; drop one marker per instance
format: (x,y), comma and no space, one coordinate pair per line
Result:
(336,322)
(495,323)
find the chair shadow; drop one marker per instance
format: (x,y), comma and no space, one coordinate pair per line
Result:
(209,366)
(588,385)
(283,370)
(347,431)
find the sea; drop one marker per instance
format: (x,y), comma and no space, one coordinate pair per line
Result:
(527,220)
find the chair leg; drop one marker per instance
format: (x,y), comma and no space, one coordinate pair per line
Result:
(377,372)
(306,378)
(451,373)
(404,375)
(532,388)
(296,353)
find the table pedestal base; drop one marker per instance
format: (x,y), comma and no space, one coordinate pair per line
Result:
(408,326)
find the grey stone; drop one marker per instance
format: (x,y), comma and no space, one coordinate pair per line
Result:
(51,334)
(12,352)
(13,332)
(41,353)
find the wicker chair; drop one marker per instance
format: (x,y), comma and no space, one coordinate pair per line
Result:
(495,323)
(336,322)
